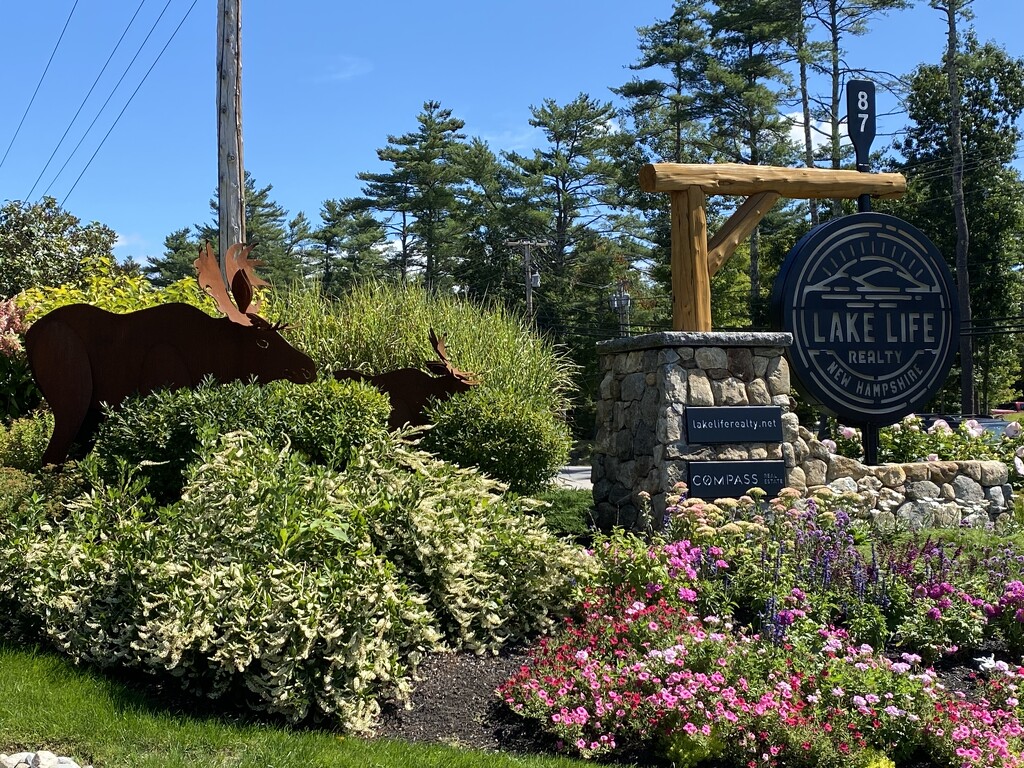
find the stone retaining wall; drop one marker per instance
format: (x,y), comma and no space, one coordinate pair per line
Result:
(641,446)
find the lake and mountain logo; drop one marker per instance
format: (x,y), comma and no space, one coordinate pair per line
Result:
(872,309)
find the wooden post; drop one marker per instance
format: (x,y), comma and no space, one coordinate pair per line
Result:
(691,279)
(230,169)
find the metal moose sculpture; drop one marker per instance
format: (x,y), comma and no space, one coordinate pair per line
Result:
(82,356)
(410,389)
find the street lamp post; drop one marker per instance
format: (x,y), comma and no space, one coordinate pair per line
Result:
(620,302)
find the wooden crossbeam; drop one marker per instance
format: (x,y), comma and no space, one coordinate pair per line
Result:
(797,183)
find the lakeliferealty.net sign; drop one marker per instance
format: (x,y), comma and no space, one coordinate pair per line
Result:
(872,309)
(734,424)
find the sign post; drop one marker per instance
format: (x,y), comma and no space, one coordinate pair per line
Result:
(860,125)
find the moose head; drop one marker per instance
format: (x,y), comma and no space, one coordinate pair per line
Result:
(82,356)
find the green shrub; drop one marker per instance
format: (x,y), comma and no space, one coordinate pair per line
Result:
(307,591)
(23,442)
(491,572)
(504,437)
(256,581)
(161,431)
(15,486)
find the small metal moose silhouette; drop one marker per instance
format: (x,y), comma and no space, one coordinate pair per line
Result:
(410,389)
(82,356)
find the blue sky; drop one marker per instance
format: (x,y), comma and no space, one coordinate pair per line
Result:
(324,83)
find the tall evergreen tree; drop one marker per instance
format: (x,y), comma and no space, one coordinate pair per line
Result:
(418,193)
(838,20)
(349,247)
(990,84)
(747,86)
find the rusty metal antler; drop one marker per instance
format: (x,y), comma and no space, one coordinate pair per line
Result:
(241,277)
(443,367)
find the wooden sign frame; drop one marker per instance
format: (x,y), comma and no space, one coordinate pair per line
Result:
(695,258)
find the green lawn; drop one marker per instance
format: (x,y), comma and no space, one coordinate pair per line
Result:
(47,703)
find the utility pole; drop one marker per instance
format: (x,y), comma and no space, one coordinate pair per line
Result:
(230,169)
(530,278)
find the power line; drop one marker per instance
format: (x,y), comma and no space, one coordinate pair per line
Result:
(117,119)
(41,78)
(109,97)
(82,105)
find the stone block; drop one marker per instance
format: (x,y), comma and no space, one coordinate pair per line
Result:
(940,472)
(712,358)
(667,357)
(777,375)
(917,471)
(971,469)
(699,388)
(920,490)
(674,384)
(840,466)
(633,387)
(741,363)
(815,471)
(891,475)
(758,451)
(759,365)
(790,427)
(993,473)
(729,391)
(870,483)
(914,515)
(757,393)
(968,491)
(609,389)
(797,478)
(731,453)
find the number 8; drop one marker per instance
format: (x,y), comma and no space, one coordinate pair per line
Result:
(862,100)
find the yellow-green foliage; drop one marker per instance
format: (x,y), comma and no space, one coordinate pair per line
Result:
(104,285)
(378,327)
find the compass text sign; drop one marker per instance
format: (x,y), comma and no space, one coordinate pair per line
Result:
(732,479)
(872,309)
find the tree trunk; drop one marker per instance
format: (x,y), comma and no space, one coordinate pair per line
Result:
(805,105)
(963,280)
(837,205)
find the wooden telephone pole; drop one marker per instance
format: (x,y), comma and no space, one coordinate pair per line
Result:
(230,169)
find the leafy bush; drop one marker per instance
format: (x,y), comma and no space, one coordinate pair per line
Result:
(255,581)
(162,430)
(505,438)
(102,283)
(490,572)
(306,591)
(23,442)
(18,392)
(15,486)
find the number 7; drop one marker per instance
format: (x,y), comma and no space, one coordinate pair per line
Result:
(863,121)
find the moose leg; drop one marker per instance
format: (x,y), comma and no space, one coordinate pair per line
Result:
(60,364)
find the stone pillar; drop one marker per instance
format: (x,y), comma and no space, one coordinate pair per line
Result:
(648,381)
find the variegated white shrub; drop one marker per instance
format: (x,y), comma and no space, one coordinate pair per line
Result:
(306,591)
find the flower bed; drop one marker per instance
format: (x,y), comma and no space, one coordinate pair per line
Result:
(764,633)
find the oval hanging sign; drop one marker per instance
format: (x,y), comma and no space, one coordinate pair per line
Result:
(872,309)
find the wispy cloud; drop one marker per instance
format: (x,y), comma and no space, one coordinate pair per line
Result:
(130,240)
(514,140)
(820,131)
(341,68)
